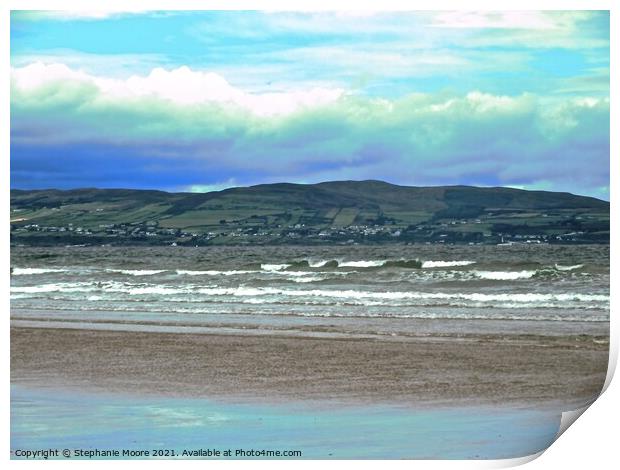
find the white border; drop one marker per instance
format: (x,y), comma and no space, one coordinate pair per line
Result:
(591,442)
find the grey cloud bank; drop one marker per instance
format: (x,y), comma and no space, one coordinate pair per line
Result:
(420,139)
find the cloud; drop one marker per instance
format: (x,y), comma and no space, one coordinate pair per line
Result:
(74,15)
(180,86)
(385,53)
(112,65)
(497,19)
(184,128)
(570,30)
(207,188)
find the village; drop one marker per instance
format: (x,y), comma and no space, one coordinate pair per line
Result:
(150,232)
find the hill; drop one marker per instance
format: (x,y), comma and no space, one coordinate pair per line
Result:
(339,211)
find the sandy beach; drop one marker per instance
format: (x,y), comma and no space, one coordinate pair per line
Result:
(479,369)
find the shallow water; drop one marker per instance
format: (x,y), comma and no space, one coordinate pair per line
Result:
(63,419)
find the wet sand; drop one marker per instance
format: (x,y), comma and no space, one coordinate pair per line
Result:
(480,369)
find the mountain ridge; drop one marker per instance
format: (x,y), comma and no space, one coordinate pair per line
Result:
(322,183)
(310,209)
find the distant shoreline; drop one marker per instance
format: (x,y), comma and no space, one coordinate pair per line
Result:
(68,243)
(330,213)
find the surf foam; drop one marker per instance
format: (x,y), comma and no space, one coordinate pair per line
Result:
(445,264)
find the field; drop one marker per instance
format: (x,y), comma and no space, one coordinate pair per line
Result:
(360,211)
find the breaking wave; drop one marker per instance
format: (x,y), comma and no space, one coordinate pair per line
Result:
(360,264)
(138,272)
(127,294)
(184,272)
(274,267)
(301,267)
(159,290)
(30,271)
(244,291)
(568,268)
(445,264)
(62,287)
(504,275)
(369,264)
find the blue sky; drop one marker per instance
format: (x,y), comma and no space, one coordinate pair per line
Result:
(197,101)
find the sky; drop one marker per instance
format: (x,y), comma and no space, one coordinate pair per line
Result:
(205,100)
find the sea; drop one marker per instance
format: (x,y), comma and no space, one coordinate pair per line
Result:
(321,291)
(336,291)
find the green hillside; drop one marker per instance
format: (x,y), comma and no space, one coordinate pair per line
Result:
(341,211)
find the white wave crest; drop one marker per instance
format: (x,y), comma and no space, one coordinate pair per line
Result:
(240,291)
(160,290)
(504,275)
(138,272)
(30,271)
(274,267)
(360,264)
(20,296)
(355,294)
(308,279)
(568,268)
(318,264)
(445,264)
(183,272)
(64,287)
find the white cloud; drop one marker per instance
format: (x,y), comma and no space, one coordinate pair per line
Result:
(38,74)
(112,65)
(70,15)
(182,86)
(496,19)
(402,59)
(207,188)
(332,21)
(484,102)
(531,29)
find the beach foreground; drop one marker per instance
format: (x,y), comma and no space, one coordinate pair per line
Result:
(448,396)
(525,370)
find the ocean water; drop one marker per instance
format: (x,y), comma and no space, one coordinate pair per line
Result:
(392,290)
(85,421)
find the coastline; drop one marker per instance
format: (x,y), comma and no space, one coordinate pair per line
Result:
(515,370)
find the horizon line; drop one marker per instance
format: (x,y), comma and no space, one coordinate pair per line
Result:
(307,184)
